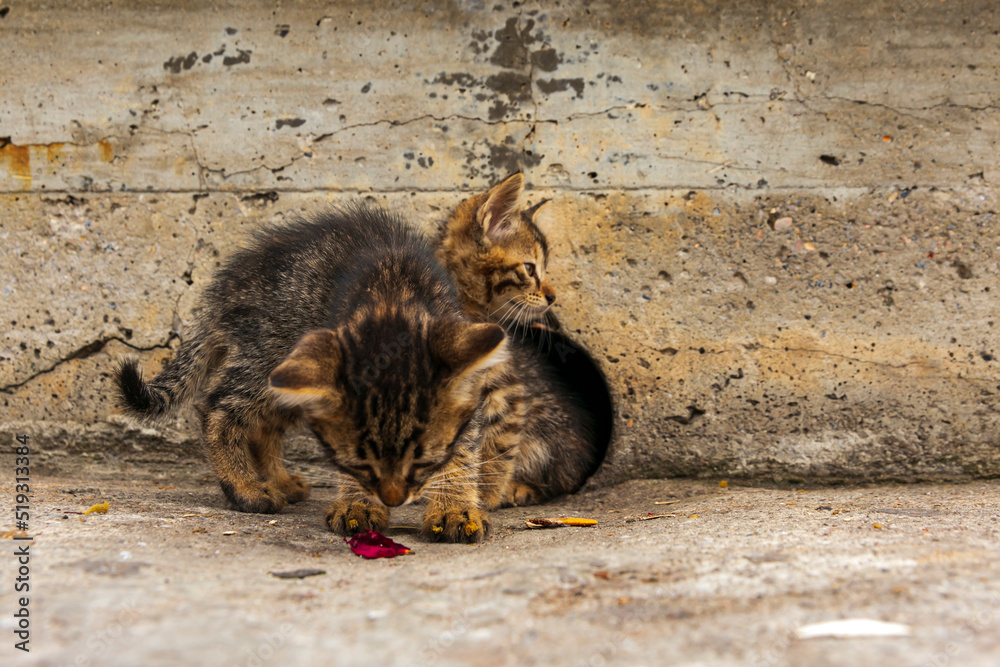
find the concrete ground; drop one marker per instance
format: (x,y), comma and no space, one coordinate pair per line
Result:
(169,576)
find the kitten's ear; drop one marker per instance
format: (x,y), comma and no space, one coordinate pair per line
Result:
(498,214)
(528,214)
(305,378)
(466,348)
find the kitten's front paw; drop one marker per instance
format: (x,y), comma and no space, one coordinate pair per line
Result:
(456,525)
(295,488)
(349,517)
(259,498)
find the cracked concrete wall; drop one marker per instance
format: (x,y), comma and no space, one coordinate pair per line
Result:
(774,223)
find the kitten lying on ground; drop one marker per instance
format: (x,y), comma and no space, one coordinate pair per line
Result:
(540,439)
(347,321)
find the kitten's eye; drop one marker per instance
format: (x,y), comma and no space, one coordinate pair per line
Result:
(362,470)
(423,470)
(530,268)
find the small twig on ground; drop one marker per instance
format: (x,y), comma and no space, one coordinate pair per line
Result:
(633,519)
(560,521)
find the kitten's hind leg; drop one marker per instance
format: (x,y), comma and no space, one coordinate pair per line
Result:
(267,450)
(524,494)
(230,450)
(354,510)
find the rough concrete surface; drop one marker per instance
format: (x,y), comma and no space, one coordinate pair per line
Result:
(170,577)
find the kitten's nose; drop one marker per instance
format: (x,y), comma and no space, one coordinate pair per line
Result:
(550,294)
(392,494)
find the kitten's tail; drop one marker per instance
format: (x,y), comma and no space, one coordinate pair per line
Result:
(175,384)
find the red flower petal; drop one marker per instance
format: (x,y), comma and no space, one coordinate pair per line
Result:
(373,544)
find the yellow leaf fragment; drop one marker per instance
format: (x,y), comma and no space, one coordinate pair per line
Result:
(99,508)
(575,521)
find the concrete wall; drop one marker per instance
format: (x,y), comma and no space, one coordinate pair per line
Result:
(774,223)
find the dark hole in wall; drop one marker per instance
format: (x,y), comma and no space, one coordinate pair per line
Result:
(582,380)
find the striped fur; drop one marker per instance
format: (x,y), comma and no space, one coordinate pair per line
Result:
(347,322)
(538,436)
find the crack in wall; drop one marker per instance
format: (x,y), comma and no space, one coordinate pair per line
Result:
(648,189)
(726,164)
(84,352)
(440,119)
(794,79)
(203,168)
(907,112)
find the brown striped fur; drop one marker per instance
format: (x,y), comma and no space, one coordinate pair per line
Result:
(346,322)
(498,257)
(538,437)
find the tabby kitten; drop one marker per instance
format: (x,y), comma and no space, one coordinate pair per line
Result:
(498,256)
(539,438)
(348,322)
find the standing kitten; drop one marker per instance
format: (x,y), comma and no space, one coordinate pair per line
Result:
(348,322)
(546,428)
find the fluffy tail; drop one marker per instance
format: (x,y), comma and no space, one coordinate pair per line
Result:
(149,401)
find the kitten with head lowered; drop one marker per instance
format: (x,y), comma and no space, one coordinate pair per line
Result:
(542,436)
(348,322)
